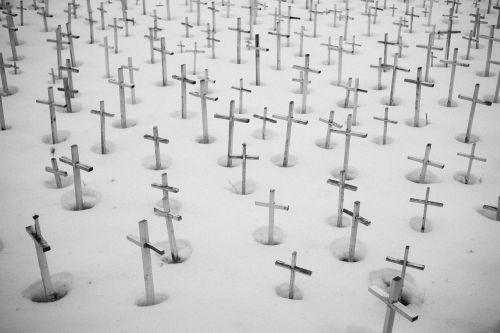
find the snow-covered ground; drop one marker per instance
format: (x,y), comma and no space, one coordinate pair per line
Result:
(227,281)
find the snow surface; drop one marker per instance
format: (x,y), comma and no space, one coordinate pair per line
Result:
(228,281)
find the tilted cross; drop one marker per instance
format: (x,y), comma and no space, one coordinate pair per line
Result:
(426,202)
(121,90)
(3,75)
(184,80)
(494,209)
(244,157)
(257,49)
(293,269)
(356,218)
(395,69)
(70,35)
(156,140)
(126,20)
(331,123)
(342,185)
(239,31)
(102,117)
(52,112)
(56,172)
(272,205)
(425,162)
(163,53)
(67,95)
(74,161)
(264,119)
(418,84)
(471,158)
(474,100)
(202,94)
(386,120)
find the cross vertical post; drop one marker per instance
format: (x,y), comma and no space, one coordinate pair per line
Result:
(102,119)
(272,207)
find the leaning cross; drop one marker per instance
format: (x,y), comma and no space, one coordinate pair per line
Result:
(475,100)
(74,161)
(293,268)
(342,185)
(244,157)
(306,69)
(157,140)
(169,216)
(183,79)
(50,102)
(264,119)
(395,69)
(471,158)
(330,124)
(454,63)
(426,202)
(418,83)
(272,206)
(56,172)
(356,218)
(102,117)
(163,53)
(425,162)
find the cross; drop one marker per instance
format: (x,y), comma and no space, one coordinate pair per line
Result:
(475,100)
(477,25)
(425,11)
(300,80)
(494,209)
(470,38)
(289,121)
(411,15)
(228,5)
(289,18)
(369,16)
(244,157)
(342,185)
(203,96)
(331,123)
(251,9)
(181,47)
(448,33)
(195,52)
(115,27)
(356,91)
(346,17)
(67,95)
(50,102)
(155,25)
(59,44)
(404,264)
(425,162)
(431,5)
(103,11)
(306,69)
(231,118)
(380,68)
(3,76)
(386,120)
(151,39)
(214,11)
(348,133)
(278,35)
(454,63)
(106,55)
(386,43)
(272,207)
(44,14)
(166,189)
(366,10)
(206,77)
(74,161)
(21,12)
(241,91)
(121,90)
(69,34)
(257,49)
(418,85)
(198,10)
(329,47)
(302,34)
(156,140)
(11,25)
(293,268)
(491,38)
(163,53)
(41,247)
(184,80)
(393,8)
(169,216)
(395,69)
(335,12)
(126,20)
(238,38)
(429,47)
(211,38)
(376,8)
(426,203)
(393,303)
(339,49)
(400,23)
(56,172)
(92,21)
(353,44)
(102,117)
(356,218)
(264,119)
(69,73)
(146,246)
(315,26)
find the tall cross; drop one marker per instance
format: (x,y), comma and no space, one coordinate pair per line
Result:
(198,10)
(418,84)
(329,46)
(181,47)
(56,172)
(155,27)
(429,47)
(195,52)
(494,209)
(151,39)
(293,269)
(69,73)
(404,264)
(289,122)
(126,20)
(454,63)
(156,140)
(70,35)
(335,12)
(331,123)
(272,205)
(356,218)
(306,69)
(44,14)
(187,26)
(102,120)
(143,242)
(425,162)
(103,11)
(74,161)
(302,34)
(21,12)
(241,90)
(339,49)
(395,69)
(52,104)
(369,16)
(251,9)
(386,120)
(386,43)
(491,38)
(115,27)
(376,9)
(238,38)
(474,100)
(163,53)
(348,133)
(59,45)
(231,118)
(426,202)
(289,18)
(184,80)
(257,49)
(264,119)
(278,35)
(228,6)
(121,90)
(342,185)
(202,94)
(448,33)
(244,157)
(67,94)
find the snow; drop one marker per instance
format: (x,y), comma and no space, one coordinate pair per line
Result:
(227,280)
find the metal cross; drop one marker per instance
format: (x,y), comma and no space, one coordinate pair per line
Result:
(56,172)
(293,268)
(331,123)
(418,85)
(244,157)
(342,185)
(426,202)
(102,117)
(474,100)
(386,120)
(50,102)
(272,205)
(183,79)
(425,162)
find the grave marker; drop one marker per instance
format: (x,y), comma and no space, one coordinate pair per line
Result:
(429,47)
(395,69)
(272,207)
(474,100)
(426,202)
(195,52)
(346,17)
(183,79)
(342,185)
(356,218)
(491,38)
(257,49)
(330,124)
(348,133)
(59,44)
(289,18)
(115,27)
(239,31)
(156,140)
(164,53)
(103,11)
(102,117)
(69,34)
(418,85)
(241,91)
(56,172)
(121,90)
(67,95)
(106,56)
(244,157)
(74,161)
(278,35)
(425,162)
(91,22)
(386,120)
(454,63)
(404,264)
(264,119)
(293,268)
(203,96)
(494,209)
(302,34)
(3,76)
(126,20)
(305,69)
(69,74)
(448,33)
(43,13)
(52,104)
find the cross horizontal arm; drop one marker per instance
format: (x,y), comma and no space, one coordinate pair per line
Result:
(419,82)
(121,84)
(159,212)
(408,263)
(327,121)
(306,69)
(242,89)
(137,242)
(271,204)
(360,219)
(488,103)
(49,103)
(482,159)
(77,165)
(165,187)
(379,293)
(427,202)
(361,135)
(39,240)
(404,311)
(185,79)
(346,186)
(492,208)
(59,172)
(150,137)
(296,268)
(265,118)
(106,114)
(386,120)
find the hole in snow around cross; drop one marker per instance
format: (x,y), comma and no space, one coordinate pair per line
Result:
(297,109)
(325,62)
(222,161)
(178,114)
(376,87)
(382,279)
(12,90)
(149,162)
(270,134)
(444,102)
(283,289)
(19,58)
(175,205)
(278,161)
(416,224)
(159,298)
(61,282)
(487,213)
(341,104)
(90,199)
(299,92)
(75,107)
(379,139)
(461,138)
(332,220)
(340,250)
(352,173)
(235,187)
(422,122)
(110,148)
(396,101)
(61,137)
(65,181)
(460,177)
(129,123)
(321,143)
(430,177)
(184,251)
(200,140)
(482,73)
(261,235)
(160,84)
(138,100)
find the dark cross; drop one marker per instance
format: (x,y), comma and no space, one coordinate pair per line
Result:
(163,53)
(103,11)
(342,185)
(241,91)
(56,172)
(454,63)
(59,44)
(115,27)
(231,118)
(50,102)
(412,16)
(278,35)
(183,79)
(425,162)
(289,121)
(474,100)
(257,49)
(391,299)
(471,158)
(102,117)
(238,38)
(272,207)
(331,123)
(74,161)
(491,38)
(306,69)
(69,73)
(121,90)
(244,157)
(429,47)
(386,120)
(404,264)
(395,69)
(356,218)
(195,52)
(145,245)
(494,209)
(426,202)
(293,269)
(69,34)
(41,247)
(202,94)
(418,85)
(289,18)
(264,119)
(448,33)
(156,140)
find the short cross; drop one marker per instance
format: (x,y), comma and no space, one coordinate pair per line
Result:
(293,268)
(59,44)
(289,121)
(146,246)
(264,119)
(74,161)
(106,55)
(231,118)
(195,52)
(121,90)
(306,69)
(302,34)
(380,68)
(342,185)
(202,95)
(52,104)
(331,123)
(425,162)
(241,91)
(429,47)
(238,38)
(404,264)
(244,157)
(184,80)
(272,206)
(278,35)
(491,38)
(115,27)
(474,100)
(356,218)
(163,53)
(494,209)
(426,203)
(418,84)
(395,69)
(454,63)
(257,49)
(56,172)
(156,140)
(386,120)
(41,247)
(102,120)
